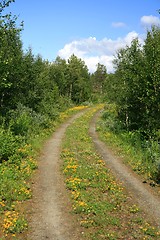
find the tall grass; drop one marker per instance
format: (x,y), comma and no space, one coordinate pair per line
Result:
(142,154)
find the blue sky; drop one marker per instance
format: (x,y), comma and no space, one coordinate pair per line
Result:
(91,29)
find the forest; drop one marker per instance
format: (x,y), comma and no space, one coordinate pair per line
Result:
(34,92)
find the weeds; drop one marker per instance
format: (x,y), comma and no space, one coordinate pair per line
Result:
(15,188)
(142,155)
(100,203)
(18,153)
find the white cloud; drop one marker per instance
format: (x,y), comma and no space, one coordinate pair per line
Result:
(118,24)
(94,51)
(91,62)
(150,20)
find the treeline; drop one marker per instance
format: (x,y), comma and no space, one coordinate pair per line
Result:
(34,94)
(135,85)
(36,83)
(134,89)
(29,83)
(34,90)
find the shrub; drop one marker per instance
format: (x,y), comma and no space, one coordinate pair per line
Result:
(24,121)
(9,144)
(20,120)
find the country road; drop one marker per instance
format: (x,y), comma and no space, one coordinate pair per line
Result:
(144,197)
(50,212)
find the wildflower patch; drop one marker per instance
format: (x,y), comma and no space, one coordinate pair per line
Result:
(100,202)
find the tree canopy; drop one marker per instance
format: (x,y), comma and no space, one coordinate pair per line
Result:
(135,85)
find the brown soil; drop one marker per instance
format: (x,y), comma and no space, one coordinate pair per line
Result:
(142,194)
(50,209)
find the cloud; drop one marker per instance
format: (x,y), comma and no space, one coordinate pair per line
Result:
(94,51)
(150,20)
(118,24)
(92,62)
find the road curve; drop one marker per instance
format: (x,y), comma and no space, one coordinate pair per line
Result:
(50,216)
(142,195)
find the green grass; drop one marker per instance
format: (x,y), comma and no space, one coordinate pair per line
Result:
(14,189)
(99,202)
(142,155)
(18,162)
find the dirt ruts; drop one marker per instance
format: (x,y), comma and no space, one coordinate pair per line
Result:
(134,185)
(50,207)
(50,216)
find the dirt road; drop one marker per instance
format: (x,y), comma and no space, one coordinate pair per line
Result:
(50,208)
(50,213)
(142,194)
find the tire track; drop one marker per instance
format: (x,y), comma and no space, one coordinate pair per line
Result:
(50,207)
(141,194)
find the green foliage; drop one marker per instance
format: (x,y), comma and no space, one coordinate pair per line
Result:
(135,89)
(24,121)
(99,78)
(20,123)
(79,86)
(135,85)
(48,105)
(58,73)
(29,80)
(130,86)
(19,163)
(14,188)
(10,58)
(103,209)
(98,82)
(152,77)
(33,93)
(141,153)
(4,4)
(9,144)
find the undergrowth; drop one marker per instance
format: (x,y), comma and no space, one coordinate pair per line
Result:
(20,144)
(143,155)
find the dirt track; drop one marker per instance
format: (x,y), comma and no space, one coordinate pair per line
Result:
(50,214)
(50,207)
(141,193)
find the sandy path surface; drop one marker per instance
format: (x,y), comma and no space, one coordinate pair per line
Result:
(50,207)
(140,192)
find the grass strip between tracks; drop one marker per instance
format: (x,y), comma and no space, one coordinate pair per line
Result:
(103,209)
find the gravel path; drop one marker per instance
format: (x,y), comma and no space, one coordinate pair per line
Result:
(140,192)
(50,211)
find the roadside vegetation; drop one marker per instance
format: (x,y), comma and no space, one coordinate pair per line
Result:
(103,209)
(143,155)
(134,91)
(37,95)
(18,163)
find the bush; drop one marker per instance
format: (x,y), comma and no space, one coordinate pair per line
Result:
(142,153)
(24,121)
(158,172)
(9,144)
(111,122)
(20,120)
